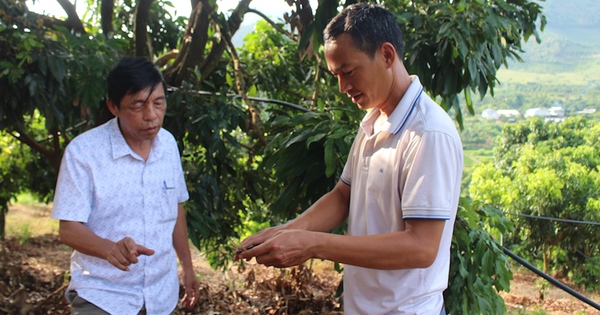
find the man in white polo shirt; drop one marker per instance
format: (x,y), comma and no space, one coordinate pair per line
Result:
(399,189)
(119,200)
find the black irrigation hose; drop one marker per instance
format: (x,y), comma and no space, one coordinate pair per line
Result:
(260,99)
(587,257)
(553,281)
(553,219)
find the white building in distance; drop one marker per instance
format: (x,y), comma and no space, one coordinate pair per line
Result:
(509,113)
(557,111)
(587,111)
(490,114)
(540,112)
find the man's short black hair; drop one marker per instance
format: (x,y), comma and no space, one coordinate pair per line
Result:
(369,26)
(131,75)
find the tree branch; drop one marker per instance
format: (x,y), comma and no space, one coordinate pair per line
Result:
(165,58)
(254,121)
(316,82)
(300,19)
(233,25)
(72,16)
(29,141)
(50,22)
(276,26)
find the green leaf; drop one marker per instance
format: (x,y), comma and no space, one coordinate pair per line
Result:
(330,161)
(315,138)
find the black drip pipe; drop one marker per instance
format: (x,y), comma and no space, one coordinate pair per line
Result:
(555,282)
(260,99)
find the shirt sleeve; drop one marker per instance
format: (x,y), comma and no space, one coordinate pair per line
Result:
(433,171)
(182,192)
(73,194)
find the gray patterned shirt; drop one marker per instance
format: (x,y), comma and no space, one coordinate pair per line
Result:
(115,193)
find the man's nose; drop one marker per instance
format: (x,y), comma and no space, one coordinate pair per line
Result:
(150,113)
(344,85)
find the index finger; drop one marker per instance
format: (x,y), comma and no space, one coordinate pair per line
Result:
(254,251)
(260,237)
(240,249)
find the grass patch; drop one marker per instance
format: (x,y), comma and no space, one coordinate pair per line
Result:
(27,198)
(583,77)
(478,156)
(27,220)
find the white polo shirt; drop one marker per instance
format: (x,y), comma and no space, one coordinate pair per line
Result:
(109,188)
(410,170)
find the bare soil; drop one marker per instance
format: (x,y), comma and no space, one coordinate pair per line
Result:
(34,277)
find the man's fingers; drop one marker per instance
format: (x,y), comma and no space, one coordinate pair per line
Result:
(121,264)
(125,252)
(191,295)
(129,250)
(135,249)
(189,300)
(192,298)
(141,250)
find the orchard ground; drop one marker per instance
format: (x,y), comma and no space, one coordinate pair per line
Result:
(34,275)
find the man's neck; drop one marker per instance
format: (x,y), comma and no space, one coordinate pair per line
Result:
(401,83)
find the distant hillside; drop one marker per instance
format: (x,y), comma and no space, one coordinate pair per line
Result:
(572,13)
(570,41)
(555,53)
(562,70)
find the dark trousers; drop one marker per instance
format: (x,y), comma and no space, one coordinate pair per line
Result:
(80,306)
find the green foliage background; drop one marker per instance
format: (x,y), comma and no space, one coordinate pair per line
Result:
(547,170)
(246,171)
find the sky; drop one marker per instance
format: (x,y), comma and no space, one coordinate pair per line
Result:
(272,8)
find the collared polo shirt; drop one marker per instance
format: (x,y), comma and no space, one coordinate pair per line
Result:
(410,169)
(115,193)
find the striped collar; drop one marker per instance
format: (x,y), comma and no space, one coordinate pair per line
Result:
(400,114)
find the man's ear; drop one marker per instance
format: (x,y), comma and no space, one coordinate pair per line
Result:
(112,107)
(388,53)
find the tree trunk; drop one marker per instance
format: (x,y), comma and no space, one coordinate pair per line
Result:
(142,44)
(192,51)
(3,211)
(233,25)
(194,41)
(106,12)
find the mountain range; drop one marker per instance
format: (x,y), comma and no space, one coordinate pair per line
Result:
(570,41)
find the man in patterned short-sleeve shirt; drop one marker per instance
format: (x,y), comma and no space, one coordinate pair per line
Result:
(119,200)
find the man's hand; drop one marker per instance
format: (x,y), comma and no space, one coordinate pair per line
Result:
(192,290)
(286,248)
(255,240)
(125,252)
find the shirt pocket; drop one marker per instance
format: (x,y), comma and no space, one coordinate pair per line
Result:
(168,202)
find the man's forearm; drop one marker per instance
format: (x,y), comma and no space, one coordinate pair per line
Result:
(325,214)
(82,239)
(180,240)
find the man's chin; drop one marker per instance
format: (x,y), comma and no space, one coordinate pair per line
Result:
(362,106)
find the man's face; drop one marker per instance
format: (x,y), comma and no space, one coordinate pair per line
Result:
(141,114)
(363,79)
